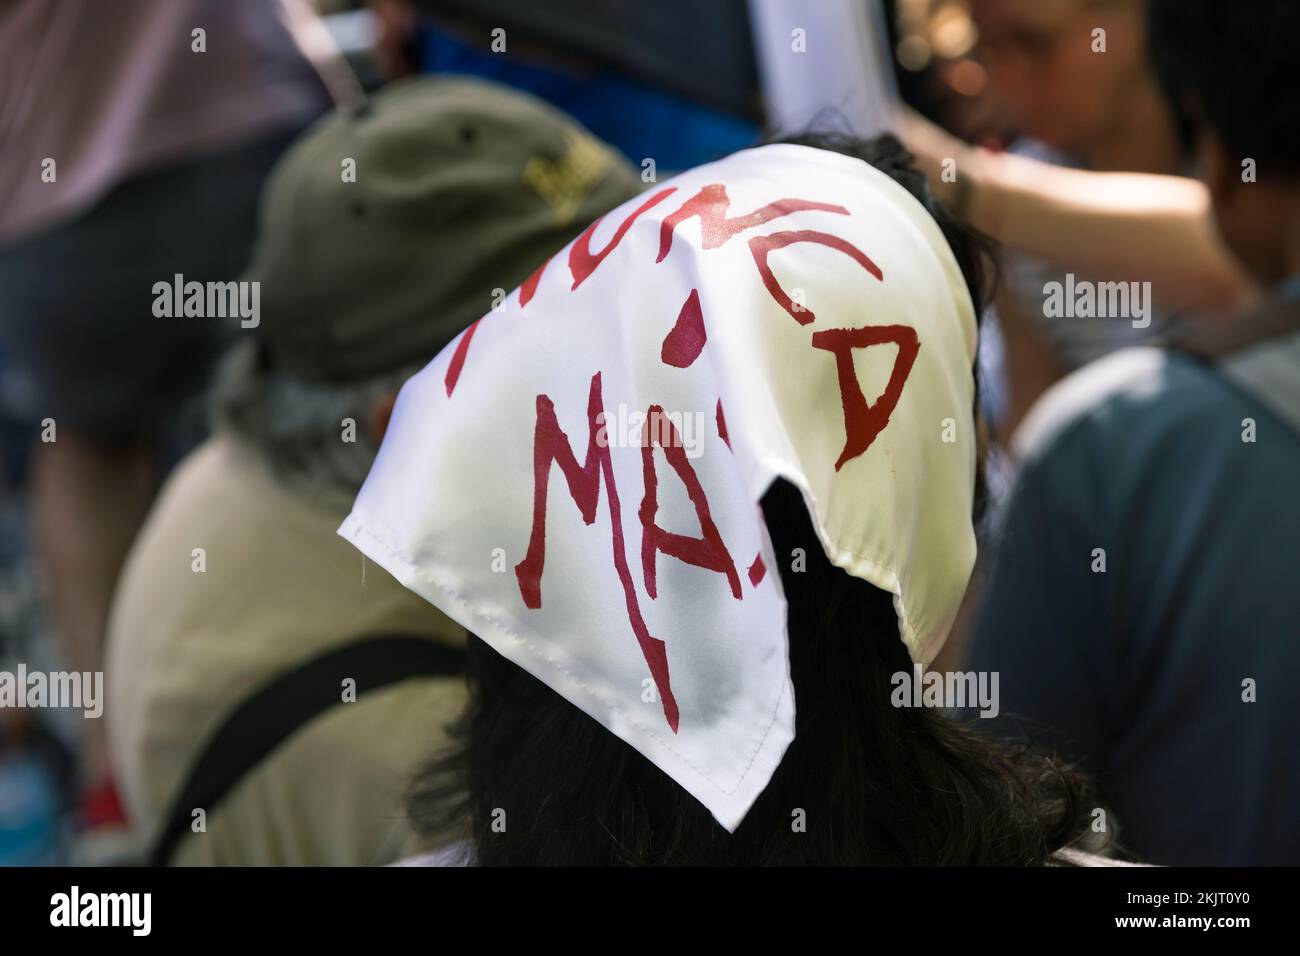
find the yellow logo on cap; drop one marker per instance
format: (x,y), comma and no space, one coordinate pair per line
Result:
(563,184)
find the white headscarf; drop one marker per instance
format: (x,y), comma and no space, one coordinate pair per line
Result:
(786,312)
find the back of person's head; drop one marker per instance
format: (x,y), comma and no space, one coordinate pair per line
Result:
(385,231)
(1230,69)
(1233,67)
(862,782)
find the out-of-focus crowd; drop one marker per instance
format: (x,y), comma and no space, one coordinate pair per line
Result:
(230,230)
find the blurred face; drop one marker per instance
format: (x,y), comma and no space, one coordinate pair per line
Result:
(1040,59)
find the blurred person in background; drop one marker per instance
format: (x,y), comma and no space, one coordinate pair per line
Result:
(134,138)
(242,616)
(1130,226)
(777,693)
(1076,78)
(1141,609)
(1127,225)
(1074,98)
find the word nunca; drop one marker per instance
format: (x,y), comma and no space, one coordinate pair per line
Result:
(951,690)
(213,300)
(103,909)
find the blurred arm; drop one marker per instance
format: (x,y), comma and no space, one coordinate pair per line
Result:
(1119,226)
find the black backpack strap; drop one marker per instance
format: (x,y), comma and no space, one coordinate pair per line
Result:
(259,725)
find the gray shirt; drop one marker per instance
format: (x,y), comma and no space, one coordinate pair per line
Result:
(1141,609)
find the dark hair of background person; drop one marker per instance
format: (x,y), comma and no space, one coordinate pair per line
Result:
(878,785)
(1234,68)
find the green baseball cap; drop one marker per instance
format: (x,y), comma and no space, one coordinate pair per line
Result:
(388,229)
